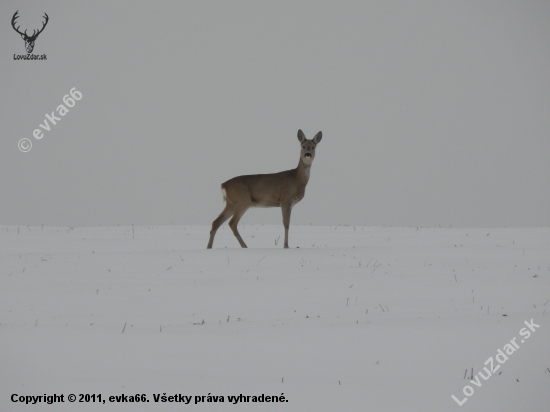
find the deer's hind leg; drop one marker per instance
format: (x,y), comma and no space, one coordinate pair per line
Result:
(239,212)
(224,215)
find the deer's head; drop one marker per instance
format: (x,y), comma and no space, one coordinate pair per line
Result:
(308,146)
(29,40)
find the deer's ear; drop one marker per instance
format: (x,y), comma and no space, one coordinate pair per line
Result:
(318,137)
(301,136)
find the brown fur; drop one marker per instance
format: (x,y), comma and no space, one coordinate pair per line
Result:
(283,189)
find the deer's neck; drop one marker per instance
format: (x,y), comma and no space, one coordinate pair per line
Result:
(303,172)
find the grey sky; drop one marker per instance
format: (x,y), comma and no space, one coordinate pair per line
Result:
(432,112)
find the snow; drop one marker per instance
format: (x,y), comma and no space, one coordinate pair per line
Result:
(348,319)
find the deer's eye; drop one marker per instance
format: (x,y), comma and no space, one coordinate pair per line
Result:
(303,147)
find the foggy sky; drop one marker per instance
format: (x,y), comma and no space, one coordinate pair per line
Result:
(432,112)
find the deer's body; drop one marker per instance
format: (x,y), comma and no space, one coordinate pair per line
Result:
(283,189)
(268,190)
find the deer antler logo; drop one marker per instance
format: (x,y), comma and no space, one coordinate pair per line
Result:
(29,40)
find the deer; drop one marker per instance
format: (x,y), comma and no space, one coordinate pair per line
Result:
(29,40)
(283,189)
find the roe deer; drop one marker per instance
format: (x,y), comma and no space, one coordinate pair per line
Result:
(283,189)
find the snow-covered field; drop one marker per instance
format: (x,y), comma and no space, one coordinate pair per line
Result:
(348,319)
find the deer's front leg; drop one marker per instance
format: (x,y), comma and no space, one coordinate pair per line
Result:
(286,220)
